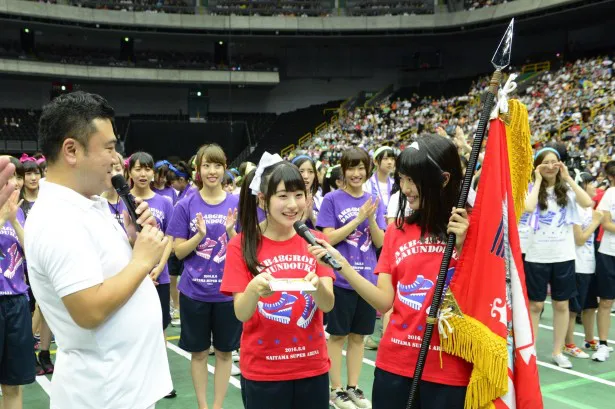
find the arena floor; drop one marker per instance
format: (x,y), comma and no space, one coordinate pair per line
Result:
(590,385)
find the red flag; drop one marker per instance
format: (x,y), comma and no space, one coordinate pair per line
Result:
(490,315)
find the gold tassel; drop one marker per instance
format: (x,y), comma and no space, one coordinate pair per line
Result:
(489,378)
(520,155)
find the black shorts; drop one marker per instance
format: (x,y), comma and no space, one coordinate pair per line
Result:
(17,359)
(165,303)
(391,391)
(577,302)
(591,299)
(175,265)
(201,320)
(307,393)
(351,314)
(605,276)
(561,276)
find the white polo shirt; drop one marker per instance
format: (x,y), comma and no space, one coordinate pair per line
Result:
(73,243)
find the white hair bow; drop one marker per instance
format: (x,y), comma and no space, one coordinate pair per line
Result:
(266,160)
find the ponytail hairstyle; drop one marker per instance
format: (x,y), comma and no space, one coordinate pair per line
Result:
(300,160)
(334,173)
(248,203)
(425,163)
(211,153)
(560,188)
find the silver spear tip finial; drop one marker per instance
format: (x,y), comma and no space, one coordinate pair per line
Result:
(501,58)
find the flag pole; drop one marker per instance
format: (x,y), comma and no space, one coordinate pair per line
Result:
(500,60)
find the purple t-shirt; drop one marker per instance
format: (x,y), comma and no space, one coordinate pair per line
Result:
(162,210)
(203,268)
(117,211)
(167,192)
(337,209)
(187,192)
(12,274)
(260,214)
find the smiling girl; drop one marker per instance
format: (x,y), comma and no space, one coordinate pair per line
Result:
(430,179)
(284,362)
(353,222)
(307,168)
(550,256)
(202,225)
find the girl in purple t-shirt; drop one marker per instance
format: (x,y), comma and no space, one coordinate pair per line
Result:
(17,361)
(141,172)
(163,179)
(307,167)
(202,225)
(116,206)
(353,222)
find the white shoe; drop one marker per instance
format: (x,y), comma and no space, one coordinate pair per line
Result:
(562,361)
(235,356)
(602,354)
(235,370)
(339,399)
(358,398)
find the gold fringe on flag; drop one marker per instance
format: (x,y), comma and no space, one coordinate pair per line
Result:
(489,379)
(520,154)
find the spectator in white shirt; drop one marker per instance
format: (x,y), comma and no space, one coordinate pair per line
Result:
(91,286)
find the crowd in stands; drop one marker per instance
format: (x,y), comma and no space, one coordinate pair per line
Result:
(574,104)
(291,8)
(68,54)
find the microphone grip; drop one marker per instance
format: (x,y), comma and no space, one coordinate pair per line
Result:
(131,208)
(327,258)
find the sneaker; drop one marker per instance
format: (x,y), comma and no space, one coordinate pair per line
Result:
(575,352)
(45,359)
(370,343)
(561,361)
(171,395)
(358,398)
(212,350)
(235,370)
(593,345)
(175,314)
(601,354)
(235,356)
(176,323)
(339,399)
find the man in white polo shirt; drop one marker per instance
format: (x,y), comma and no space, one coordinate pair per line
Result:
(92,287)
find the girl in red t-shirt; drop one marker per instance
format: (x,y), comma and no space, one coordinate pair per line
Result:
(430,178)
(284,361)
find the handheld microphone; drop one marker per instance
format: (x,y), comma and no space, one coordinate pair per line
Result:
(123,190)
(305,233)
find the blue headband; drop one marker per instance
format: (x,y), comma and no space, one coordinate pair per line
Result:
(228,172)
(172,168)
(301,157)
(547,150)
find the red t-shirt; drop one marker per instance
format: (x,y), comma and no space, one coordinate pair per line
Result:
(414,266)
(285,338)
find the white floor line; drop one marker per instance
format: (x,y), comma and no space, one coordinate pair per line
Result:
(545,364)
(578,374)
(578,334)
(44,383)
(233,381)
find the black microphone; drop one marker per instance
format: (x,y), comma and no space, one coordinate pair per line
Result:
(123,190)
(303,231)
